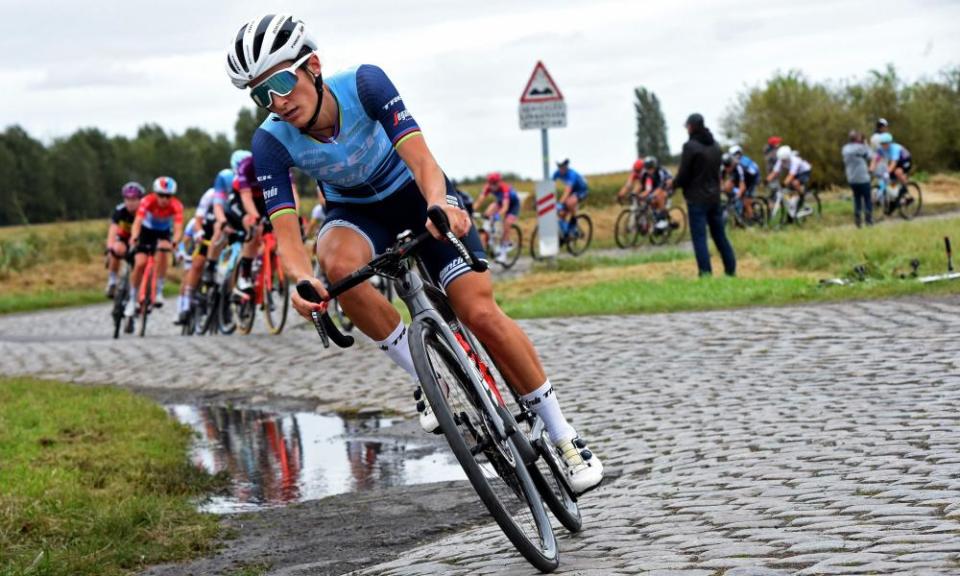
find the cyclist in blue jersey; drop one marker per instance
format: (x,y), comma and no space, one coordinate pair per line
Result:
(352,132)
(574,188)
(748,177)
(505,205)
(896,160)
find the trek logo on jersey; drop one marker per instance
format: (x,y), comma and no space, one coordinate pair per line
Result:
(400,116)
(270,192)
(392,102)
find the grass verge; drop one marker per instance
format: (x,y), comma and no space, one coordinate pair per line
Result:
(94,481)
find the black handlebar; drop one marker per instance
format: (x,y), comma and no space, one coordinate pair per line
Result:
(321,320)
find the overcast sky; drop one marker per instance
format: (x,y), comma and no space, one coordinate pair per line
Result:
(459,65)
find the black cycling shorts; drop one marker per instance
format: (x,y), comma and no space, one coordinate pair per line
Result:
(149,238)
(379,223)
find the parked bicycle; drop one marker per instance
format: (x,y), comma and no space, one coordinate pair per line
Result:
(576,233)
(271,290)
(503,448)
(906,200)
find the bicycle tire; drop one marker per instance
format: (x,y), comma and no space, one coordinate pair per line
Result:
(759,208)
(622,229)
(246,307)
(346,324)
(212,321)
(535,245)
(226,315)
(516,247)
(582,235)
(145,306)
(276,294)
(910,203)
(426,336)
(119,303)
(678,223)
(546,471)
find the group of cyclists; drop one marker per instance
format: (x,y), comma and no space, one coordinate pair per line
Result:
(231,210)
(651,183)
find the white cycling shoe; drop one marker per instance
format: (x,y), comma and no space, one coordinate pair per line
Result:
(582,468)
(428,420)
(130,308)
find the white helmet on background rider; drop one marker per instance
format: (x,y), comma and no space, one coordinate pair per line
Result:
(735,150)
(784,153)
(265,42)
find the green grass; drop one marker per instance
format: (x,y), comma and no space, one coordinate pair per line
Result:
(786,266)
(50,299)
(637,296)
(94,481)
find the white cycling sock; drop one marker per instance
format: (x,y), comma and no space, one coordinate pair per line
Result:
(397,349)
(160,288)
(543,402)
(112,278)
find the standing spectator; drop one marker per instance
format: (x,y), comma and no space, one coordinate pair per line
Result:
(856,158)
(699,177)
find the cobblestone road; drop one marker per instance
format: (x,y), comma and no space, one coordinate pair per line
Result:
(801,440)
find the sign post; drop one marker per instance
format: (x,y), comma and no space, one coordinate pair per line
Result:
(542,107)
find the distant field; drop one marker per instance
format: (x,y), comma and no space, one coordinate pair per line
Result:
(58,264)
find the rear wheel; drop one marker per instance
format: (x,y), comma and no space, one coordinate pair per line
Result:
(535,244)
(759,216)
(119,303)
(581,233)
(245,307)
(493,466)
(626,231)
(678,223)
(276,297)
(514,244)
(911,200)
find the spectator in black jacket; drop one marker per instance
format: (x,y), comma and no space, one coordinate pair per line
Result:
(699,177)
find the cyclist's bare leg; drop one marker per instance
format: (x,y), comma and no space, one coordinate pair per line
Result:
(471,296)
(747,205)
(117,251)
(139,263)
(507,223)
(164,247)
(570,204)
(342,251)
(659,199)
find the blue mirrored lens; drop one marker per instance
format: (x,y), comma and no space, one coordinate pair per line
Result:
(281,83)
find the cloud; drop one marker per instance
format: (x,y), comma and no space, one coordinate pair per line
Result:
(89,74)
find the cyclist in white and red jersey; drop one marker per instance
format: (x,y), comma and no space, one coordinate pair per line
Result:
(353,132)
(158,226)
(634,183)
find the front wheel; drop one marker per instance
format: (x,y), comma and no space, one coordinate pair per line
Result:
(276,297)
(493,465)
(910,202)
(535,244)
(580,235)
(626,231)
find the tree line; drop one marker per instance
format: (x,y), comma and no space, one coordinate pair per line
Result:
(79,176)
(815,118)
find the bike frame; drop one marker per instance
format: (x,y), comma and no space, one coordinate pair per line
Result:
(265,277)
(149,273)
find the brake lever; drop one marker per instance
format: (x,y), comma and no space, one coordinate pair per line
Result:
(439,219)
(326,329)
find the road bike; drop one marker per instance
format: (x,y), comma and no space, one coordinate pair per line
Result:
(504,252)
(502,446)
(121,295)
(147,292)
(642,219)
(734,213)
(576,232)
(789,207)
(907,200)
(271,290)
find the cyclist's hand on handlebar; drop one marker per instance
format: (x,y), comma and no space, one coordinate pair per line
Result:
(458,218)
(303,307)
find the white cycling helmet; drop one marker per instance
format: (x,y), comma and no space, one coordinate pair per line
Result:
(263,43)
(784,153)
(165,185)
(237,157)
(734,150)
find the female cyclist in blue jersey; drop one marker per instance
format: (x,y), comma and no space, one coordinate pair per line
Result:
(896,161)
(574,187)
(352,132)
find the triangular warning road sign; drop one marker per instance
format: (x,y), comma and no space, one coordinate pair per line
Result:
(540,87)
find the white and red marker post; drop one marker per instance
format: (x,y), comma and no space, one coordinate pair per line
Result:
(542,107)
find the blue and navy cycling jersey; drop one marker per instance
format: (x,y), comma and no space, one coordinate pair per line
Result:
(896,153)
(222,186)
(749,166)
(577,183)
(359,164)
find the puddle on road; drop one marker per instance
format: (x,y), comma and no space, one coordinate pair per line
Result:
(279,458)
